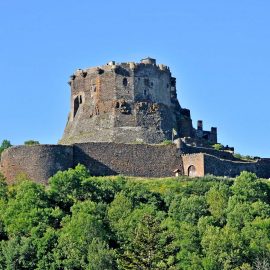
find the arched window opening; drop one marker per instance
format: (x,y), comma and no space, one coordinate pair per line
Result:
(125,81)
(191,171)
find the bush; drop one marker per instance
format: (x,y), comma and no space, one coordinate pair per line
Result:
(31,142)
(218,146)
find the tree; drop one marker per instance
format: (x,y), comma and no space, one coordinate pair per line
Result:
(100,257)
(65,187)
(78,231)
(217,199)
(145,245)
(5,144)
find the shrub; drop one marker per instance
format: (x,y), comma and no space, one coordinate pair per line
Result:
(31,142)
(218,146)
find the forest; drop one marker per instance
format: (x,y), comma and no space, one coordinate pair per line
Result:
(79,221)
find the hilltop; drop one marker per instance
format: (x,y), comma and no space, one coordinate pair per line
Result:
(83,222)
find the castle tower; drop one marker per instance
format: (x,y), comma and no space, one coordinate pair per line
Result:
(125,103)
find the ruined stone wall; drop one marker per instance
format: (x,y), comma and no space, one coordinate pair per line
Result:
(187,149)
(128,159)
(208,164)
(263,168)
(216,166)
(38,162)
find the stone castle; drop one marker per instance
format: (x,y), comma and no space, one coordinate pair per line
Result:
(123,118)
(127,103)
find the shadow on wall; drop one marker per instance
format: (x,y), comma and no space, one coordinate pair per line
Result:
(95,167)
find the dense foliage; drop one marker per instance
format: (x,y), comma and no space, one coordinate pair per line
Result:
(4,145)
(31,142)
(98,223)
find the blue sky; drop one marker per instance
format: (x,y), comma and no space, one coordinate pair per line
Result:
(219,51)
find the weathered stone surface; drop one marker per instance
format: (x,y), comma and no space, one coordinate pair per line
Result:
(125,103)
(37,162)
(40,162)
(116,105)
(128,159)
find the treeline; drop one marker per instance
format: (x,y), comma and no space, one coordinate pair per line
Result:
(98,223)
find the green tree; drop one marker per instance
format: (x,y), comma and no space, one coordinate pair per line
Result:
(188,209)
(65,187)
(144,248)
(4,145)
(100,257)
(217,198)
(78,231)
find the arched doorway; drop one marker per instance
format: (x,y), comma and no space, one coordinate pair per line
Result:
(191,171)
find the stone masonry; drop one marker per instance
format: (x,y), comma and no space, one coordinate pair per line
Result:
(119,116)
(127,103)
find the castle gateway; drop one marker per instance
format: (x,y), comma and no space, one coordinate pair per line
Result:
(123,119)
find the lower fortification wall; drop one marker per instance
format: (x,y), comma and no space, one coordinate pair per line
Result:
(37,162)
(221,167)
(40,162)
(128,159)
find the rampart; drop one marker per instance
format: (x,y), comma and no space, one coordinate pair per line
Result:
(40,162)
(201,164)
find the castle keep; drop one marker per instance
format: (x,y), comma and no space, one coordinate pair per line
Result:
(120,116)
(127,103)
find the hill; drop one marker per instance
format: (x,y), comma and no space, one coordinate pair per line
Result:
(83,222)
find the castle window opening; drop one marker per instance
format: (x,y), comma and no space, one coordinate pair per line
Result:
(146,81)
(76,106)
(192,171)
(80,99)
(125,81)
(145,92)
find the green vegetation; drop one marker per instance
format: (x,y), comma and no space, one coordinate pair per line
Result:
(84,222)
(167,142)
(4,145)
(218,146)
(31,142)
(239,156)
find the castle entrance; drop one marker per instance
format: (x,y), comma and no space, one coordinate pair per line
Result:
(191,171)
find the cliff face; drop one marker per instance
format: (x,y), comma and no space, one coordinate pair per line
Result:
(125,103)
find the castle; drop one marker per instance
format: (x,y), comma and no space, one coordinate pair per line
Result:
(122,119)
(128,103)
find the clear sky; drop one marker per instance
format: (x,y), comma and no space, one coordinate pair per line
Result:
(219,51)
